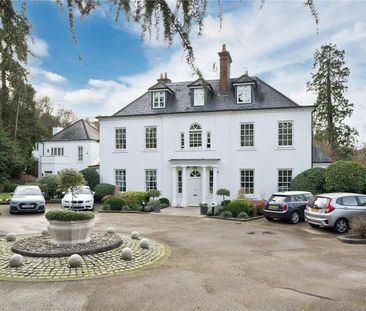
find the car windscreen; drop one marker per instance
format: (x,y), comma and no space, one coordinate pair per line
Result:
(82,190)
(27,191)
(319,202)
(278,198)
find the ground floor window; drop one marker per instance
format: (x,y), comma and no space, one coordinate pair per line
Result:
(120,179)
(179,182)
(47,173)
(284,179)
(151,180)
(247,181)
(210,182)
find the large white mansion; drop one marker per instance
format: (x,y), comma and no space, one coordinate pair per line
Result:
(188,139)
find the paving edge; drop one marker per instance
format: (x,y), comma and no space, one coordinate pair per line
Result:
(235,219)
(351,240)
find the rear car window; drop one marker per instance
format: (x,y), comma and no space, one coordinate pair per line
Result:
(320,202)
(351,200)
(362,200)
(278,198)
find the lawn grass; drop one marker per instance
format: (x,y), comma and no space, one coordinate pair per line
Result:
(5,196)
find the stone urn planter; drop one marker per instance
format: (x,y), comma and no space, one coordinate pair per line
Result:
(69,227)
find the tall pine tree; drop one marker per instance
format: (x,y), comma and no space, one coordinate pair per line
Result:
(329,83)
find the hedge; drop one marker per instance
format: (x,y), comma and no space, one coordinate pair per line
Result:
(67,215)
(102,190)
(134,199)
(237,206)
(91,176)
(115,203)
(52,184)
(312,180)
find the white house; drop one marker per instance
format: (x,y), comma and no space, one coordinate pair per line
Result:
(76,147)
(189,139)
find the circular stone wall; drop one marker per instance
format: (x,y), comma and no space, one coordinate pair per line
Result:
(104,264)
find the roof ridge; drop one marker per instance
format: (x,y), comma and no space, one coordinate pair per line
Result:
(86,131)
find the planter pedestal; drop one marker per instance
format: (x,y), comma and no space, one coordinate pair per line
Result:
(70,232)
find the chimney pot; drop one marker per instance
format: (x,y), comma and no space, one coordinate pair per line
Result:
(165,76)
(225,61)
(246,72)
(224,47)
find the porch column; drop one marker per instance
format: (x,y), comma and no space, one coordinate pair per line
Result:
(204,184)
(174,186)
(214,188)
(184,186)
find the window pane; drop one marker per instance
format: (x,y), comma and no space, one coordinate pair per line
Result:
(151,138)
(247,181)
(182,143)
(120,179)
(285,136)
(247,134)
(351,201)
(180,182)
(198,97)
(284,180)
(120,138)
(151,179)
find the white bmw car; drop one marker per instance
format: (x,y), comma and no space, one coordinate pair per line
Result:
(83,199)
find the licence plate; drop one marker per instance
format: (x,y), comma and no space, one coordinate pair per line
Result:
(272,206)
(315,210)
(27,206)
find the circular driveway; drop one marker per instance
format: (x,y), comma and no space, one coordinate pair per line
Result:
(214,265)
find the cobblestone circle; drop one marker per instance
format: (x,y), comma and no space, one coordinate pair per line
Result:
(109,263)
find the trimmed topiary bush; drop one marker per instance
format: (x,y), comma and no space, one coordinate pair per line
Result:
(153,193)
(226,214)
(116,204)
(68,215)
(345,176)
(237,206)
(225,202)
(91,176)
(312,180)
(49,184)
(243,215)
(164,201)
(224,192)
(103,190)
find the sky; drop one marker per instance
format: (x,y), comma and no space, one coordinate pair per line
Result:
(275,43)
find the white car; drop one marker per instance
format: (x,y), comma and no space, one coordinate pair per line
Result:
(83,199)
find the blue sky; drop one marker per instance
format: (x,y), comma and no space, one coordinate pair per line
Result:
(276,43)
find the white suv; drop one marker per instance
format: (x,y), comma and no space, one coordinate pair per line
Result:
(83,199)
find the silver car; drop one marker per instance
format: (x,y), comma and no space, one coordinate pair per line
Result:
(335,210)
(27,199)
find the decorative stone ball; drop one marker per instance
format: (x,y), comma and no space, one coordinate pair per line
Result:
(11,237)
(111,230)
(127,253)
(45,232)
(16,260)
(75,261)
(135,235)
(145,244)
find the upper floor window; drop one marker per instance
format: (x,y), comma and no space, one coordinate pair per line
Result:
(284,179)
(120,179)
(285,133)
(247,135)
(80,153)
(208,140)
(158,99)
(195,136)
(199,97)
(120,138)
(247,181)
(57,151)
(182,141)
(151,180)
(243,94)
(151,141)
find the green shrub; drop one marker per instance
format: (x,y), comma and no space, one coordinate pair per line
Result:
(91,176)
(243,215)
(237,206)
(134,199)
(153,193)
(223,192)
(148,208)
(226,214)
(9,187)
(116,204)
(165,201)
(312,180)
(51,183)
(255,211)
(68,215)
(164,205)
(107,197)
(345,176)
(106,207)
(126,208)
(102,190)
(225,202)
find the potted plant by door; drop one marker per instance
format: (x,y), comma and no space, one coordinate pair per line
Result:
(70,227)
(153,193)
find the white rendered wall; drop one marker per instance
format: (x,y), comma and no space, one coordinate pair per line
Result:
(265,158)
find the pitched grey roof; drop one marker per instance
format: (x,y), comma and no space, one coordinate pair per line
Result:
(266,97)
(319,156)
(80,130)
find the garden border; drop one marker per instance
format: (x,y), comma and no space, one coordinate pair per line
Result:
(236,219)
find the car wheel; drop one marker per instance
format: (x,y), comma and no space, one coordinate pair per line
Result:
(341,226)
(269,218)
(314,225)
(294,217)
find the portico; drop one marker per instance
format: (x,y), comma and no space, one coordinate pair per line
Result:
(194,181)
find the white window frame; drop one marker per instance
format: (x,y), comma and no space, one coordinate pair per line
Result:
(151,179)
(285,137)
(208,140)
(244,135)
(247,86)
(120,179)
(210,182)
(80,154)
(179,182)
(182,140)
(280,179)
(199,97)
(151,137)
(158,99)
(247,176)
(195,136)
(57,151)
(120,139)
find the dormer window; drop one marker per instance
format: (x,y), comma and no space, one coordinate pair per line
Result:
(244,94)
(199,97)
(158,99)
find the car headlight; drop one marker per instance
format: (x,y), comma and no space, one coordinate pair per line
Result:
(89,201)
(14,201)
(66,201)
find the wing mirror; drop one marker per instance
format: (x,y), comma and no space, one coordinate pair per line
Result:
(63,192)
(93,193)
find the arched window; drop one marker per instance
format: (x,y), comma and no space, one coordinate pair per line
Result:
(195,136)
(195,174)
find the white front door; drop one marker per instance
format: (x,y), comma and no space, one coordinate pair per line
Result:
(194,188)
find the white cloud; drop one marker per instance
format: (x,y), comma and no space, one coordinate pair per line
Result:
(38,46)
(276,42)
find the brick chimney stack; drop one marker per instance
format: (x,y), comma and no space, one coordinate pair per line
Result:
(225,61)
(164,78)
